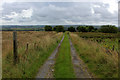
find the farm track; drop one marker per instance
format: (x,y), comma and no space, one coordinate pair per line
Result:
(46,71)
(79,66)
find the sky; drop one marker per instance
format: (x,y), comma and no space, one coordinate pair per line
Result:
(77,12)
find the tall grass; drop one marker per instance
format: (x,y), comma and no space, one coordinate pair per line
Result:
(41,45)
(97,35)
(106,40)
(97,60)
(63,65)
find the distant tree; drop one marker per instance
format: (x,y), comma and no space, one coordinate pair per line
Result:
(59,28)
(54,28)
(89,28)
(48,28)
(81,29)
(119,29)
(71,29)
(95,29)
(108,29)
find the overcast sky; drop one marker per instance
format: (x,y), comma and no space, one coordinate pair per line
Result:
(40,13)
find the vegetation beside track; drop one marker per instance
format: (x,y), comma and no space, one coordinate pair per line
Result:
(100,63)
(63,65)
(40,46)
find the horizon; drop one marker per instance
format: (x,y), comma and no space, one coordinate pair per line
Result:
(57,24)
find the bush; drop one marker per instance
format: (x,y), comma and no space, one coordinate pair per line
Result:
(59,28)
(71,29)
(54,29)
(48,28)
(108,29)
(81,29)
(89,28)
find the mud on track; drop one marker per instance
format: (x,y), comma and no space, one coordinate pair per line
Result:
(46,71)
(78,65)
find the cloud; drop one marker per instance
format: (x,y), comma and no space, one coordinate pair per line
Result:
(24,14)
(59,13)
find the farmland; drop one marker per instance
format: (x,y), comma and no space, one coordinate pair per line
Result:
(40,46)
(109,41)
(99,61)
(77,39)
(96,53)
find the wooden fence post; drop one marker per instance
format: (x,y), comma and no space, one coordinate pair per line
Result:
(34,45)
(15,47)
(113,48)
(27,46)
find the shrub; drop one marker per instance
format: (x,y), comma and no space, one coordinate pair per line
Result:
(89,28)
(81,29)
(59,28)
(71,29)
(48,28)
(108,29)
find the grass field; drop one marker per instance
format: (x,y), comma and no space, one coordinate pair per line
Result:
(106,40)
(40,46)
(63,66)
(97,35)
(94,49)
(101,64)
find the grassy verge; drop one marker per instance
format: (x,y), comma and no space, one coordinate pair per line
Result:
(30,60)
(63,65)
(97,60)
(106,40)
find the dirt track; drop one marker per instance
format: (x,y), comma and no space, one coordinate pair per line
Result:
(78,65)
(46,71)
(80,69)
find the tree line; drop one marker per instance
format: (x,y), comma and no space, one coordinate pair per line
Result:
(104,29)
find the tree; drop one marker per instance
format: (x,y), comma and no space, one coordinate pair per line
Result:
(59,28)
(54,29)
(81,29)
(119,29)
(95,29)
(48,28)
(71,29)
(89,28)
(108,29)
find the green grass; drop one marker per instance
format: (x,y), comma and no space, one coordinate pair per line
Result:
(29,63)
(29,67)
(111,44)
(97,35)
(99,63)
(63,65)
(106,40)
